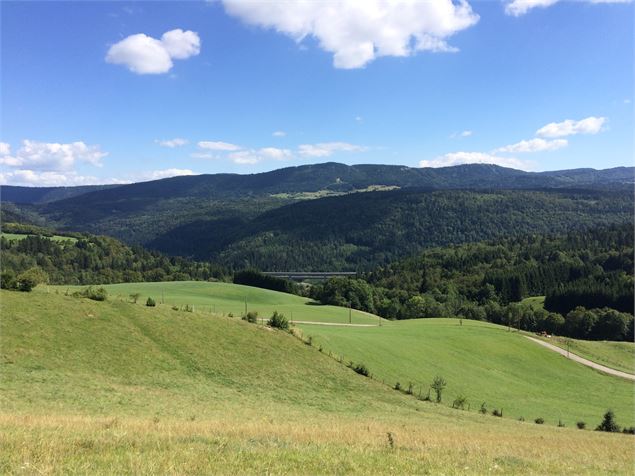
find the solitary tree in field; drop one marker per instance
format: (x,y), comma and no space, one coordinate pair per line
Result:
(438,384)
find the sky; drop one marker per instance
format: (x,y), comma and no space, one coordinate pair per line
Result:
(117,92)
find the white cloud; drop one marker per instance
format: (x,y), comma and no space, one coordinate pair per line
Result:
(357,32)
(172,143)
(5,148)
(279,134)
(27,178)
(590,125)
(534,145)
(35,155)
(327,149)
(462,134)
(161,174)
(459,158)
(217,145)
(245,157)
(181,44)
(359,118)
(204,155)
(143,54)
(520,7)
(275,153)
(253,156)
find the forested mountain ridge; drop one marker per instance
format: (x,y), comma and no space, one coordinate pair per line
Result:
(326,176)
(360,231)
(264,220)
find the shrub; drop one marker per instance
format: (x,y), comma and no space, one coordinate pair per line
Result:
(630,430)
(30,278)
(397,386)
(539,421)
(151,302)
(135,297)
(522,418)
(560,423)
(278,321)
(8,280)
(581,425)
(361,369)
(498,413)
(483,409)
(96,294)
(438,384)
(608,423)
(459,402)
(251,317)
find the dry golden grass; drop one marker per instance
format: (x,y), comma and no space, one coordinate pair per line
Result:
(328,444)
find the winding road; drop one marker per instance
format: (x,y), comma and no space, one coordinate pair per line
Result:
(583,361)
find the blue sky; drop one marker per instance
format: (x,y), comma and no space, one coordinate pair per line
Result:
(243,87)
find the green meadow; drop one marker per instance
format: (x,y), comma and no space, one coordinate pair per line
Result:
(226,298)
(485,363)
(117,388)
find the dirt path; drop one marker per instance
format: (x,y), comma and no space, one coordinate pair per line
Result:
(583,361)
(334,324)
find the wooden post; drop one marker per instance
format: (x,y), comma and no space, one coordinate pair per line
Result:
(245,305)
(349,314)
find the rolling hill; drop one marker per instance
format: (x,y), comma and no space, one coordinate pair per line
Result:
(103,387)
(485,363)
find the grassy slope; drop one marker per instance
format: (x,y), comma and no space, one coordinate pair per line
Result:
(230,298)
(20,236)
(105,388)
(617,355)
(485,363)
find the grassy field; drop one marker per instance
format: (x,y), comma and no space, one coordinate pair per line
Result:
(537,302)
(111,388)
(16,236)
(617,355)
(485,363)
(225,298)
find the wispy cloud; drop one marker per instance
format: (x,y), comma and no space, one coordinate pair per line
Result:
(171,143)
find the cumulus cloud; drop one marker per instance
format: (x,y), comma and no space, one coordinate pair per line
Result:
(172,143)
(534,145)
(460,158)
(590,125)
(218,145)
(143,54)
(279,134)
(357,32)
(326,149)
(520,7)
(35,155)
(5,148)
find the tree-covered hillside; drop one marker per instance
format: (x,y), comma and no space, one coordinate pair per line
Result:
(592,269)
(360,231)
